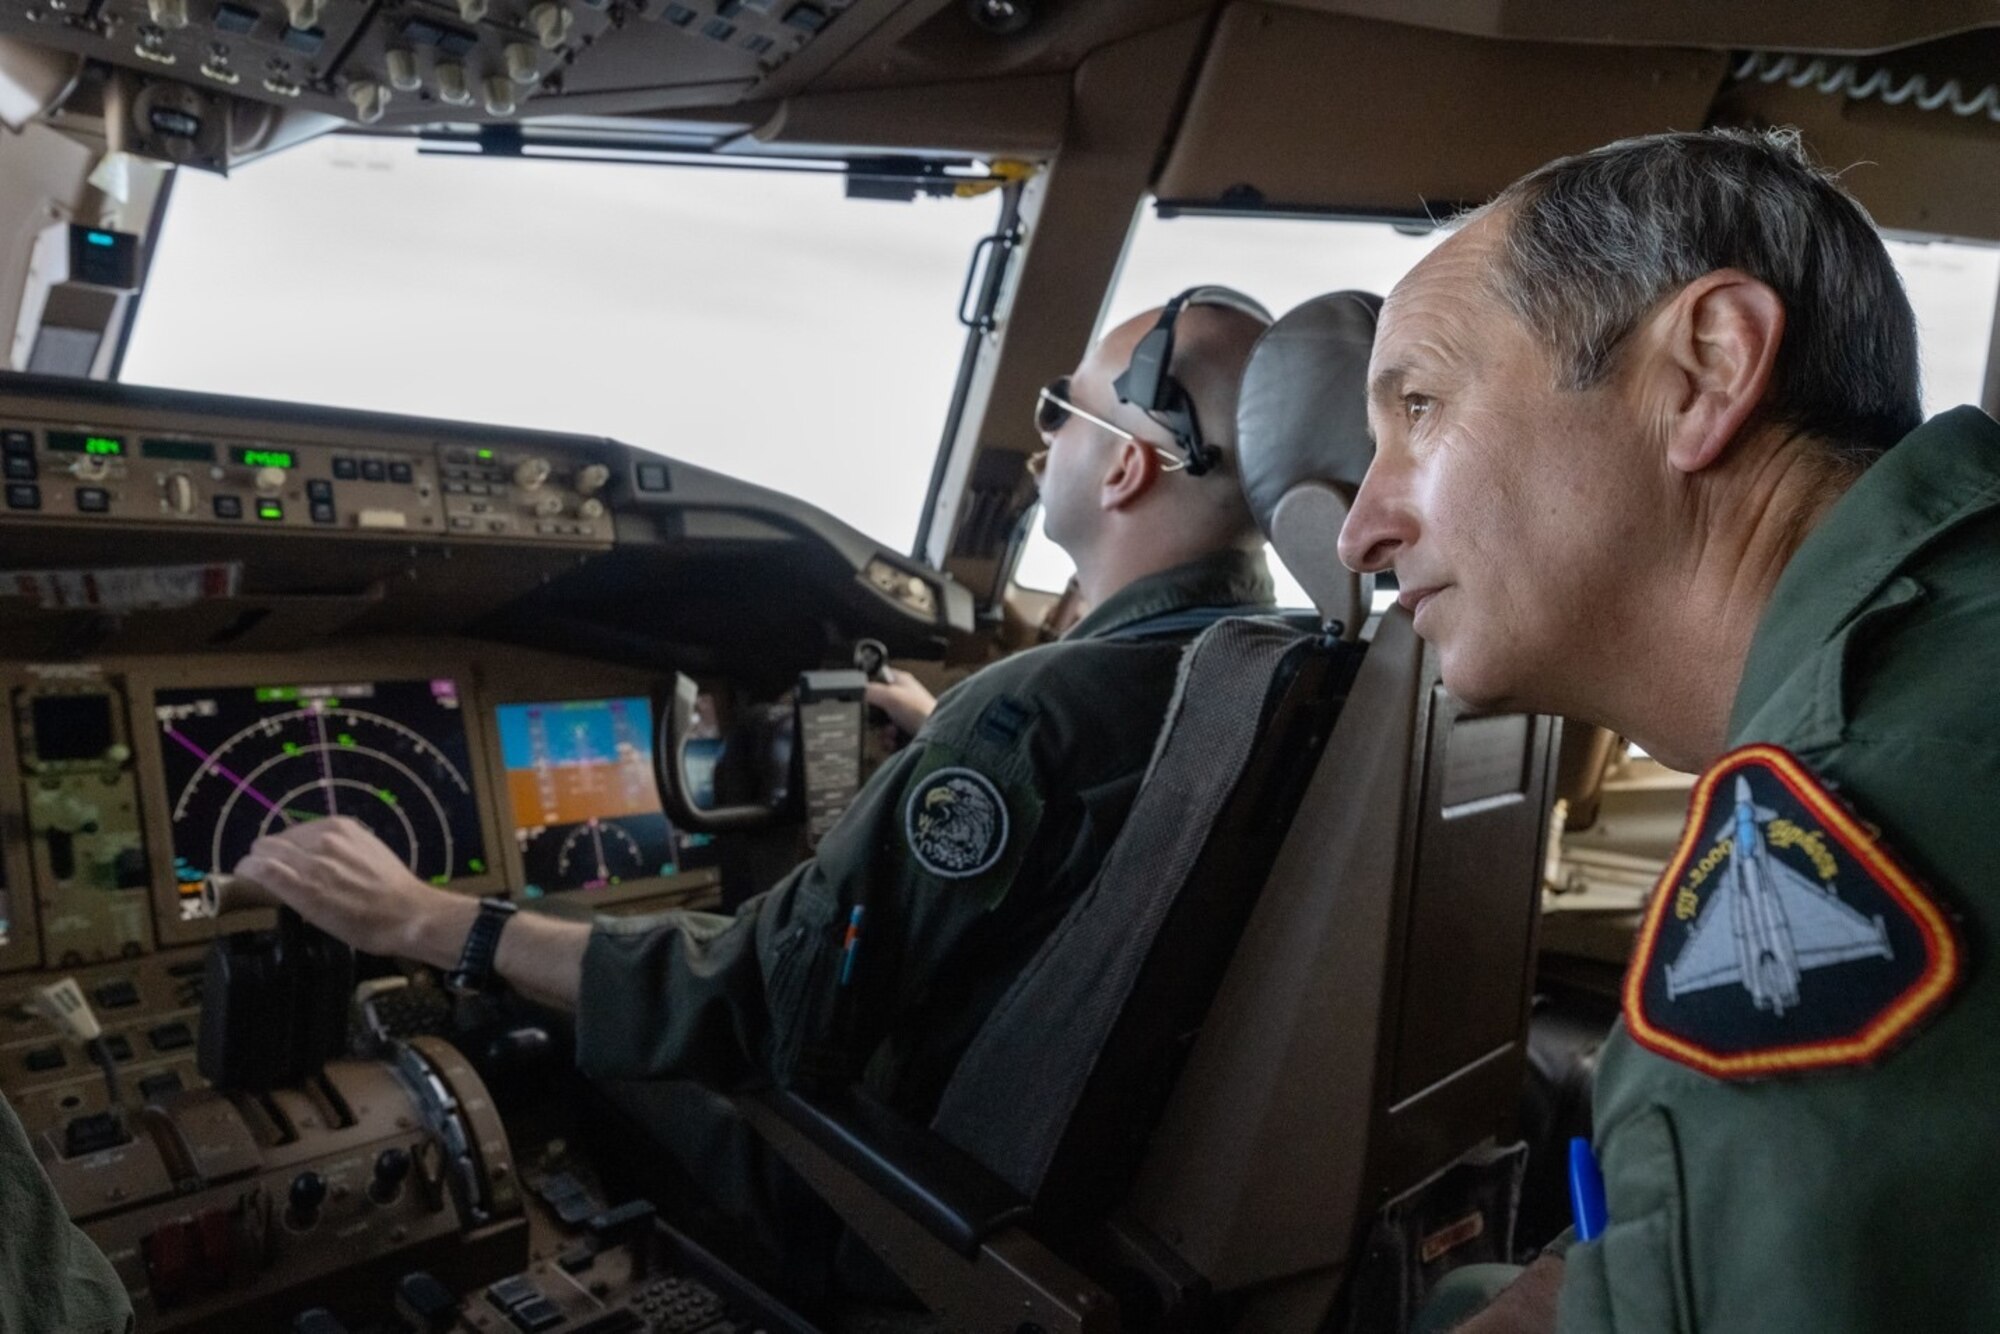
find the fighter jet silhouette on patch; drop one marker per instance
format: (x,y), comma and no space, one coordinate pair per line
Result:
(1767,924)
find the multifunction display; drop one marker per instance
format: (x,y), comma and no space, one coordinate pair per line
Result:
(580,781)
(245,761)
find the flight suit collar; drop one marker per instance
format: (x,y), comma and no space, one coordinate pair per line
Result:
(1941,474)
(1231,578)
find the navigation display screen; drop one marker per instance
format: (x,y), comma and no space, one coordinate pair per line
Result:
(245,761)
(580,780)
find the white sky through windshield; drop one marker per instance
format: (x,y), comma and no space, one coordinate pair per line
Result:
(753,322)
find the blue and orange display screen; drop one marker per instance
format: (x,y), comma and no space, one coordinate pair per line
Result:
(580,785)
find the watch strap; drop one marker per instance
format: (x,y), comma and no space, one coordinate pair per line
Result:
(475,974)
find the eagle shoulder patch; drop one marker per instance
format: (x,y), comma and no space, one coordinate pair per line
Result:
(956,823)
(1784,936)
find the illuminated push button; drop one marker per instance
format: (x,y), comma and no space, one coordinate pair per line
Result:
(93,500)
(374,470)
(401,472)
(43,1059)
(271,511)
(235,19)
(171,1037)
(323,511)
(20,467)
(229,507)
(653,477)
(17,442)
(319,489)
(24,496)
(345,469)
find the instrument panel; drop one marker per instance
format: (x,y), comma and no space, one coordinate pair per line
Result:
(137,779)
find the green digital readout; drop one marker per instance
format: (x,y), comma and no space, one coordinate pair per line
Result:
(86,442)
(182,451)
(261,458)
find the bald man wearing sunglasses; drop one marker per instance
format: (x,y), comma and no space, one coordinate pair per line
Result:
(1116,494)
(881,956)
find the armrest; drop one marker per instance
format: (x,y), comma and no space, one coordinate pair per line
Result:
(951,1196)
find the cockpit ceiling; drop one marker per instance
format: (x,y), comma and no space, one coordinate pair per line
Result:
(1421,121)
(429,62)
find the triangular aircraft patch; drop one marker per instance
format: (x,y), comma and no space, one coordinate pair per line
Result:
(1784,936)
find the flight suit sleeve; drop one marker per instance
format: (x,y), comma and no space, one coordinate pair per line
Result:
(1858,1194)
(927,852)
(52,1277)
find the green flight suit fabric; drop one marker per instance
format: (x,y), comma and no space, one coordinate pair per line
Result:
(1046,748)
(1858,1198)
(53,1279)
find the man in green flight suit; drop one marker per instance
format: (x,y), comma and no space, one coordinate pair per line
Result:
(53,1280)
(1651,455)
(959,855)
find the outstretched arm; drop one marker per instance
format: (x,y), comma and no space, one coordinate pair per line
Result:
(341,878)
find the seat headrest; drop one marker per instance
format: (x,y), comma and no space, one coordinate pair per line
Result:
(1303,412)
(1302,441)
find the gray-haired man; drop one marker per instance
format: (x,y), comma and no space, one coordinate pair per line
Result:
(1651,455)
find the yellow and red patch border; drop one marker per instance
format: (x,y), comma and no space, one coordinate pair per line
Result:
(1943,963)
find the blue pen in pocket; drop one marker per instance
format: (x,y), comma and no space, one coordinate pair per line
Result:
(1586,1191)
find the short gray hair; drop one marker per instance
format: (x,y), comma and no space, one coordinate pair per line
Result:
(1593,244)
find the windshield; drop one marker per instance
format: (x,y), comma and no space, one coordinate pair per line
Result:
(758,323)
(1283,262)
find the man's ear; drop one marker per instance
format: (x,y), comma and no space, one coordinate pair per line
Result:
(1134,468)
(1716,344)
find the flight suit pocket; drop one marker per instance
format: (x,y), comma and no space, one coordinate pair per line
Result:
(1633,1279)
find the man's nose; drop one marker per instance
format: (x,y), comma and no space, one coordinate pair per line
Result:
(1375,531)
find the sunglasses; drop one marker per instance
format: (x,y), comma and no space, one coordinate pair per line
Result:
(1053,409)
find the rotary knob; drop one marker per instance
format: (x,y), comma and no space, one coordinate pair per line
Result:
(592,478)
(169,14)
(370,100)
(180,493)
(307,1194)
(499,96)
(521,60)
(401,69)
(530,473)
(552,23)
(392,1166)
(472,10)
(453,90)
(269,481)
(549,506)
(302,13)
(591,509)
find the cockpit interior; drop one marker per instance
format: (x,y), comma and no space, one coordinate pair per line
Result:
(599,677)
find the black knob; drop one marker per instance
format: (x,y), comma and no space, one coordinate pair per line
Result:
(308,1193)
(391,1166)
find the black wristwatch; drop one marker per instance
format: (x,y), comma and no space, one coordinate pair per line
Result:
(474,975)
